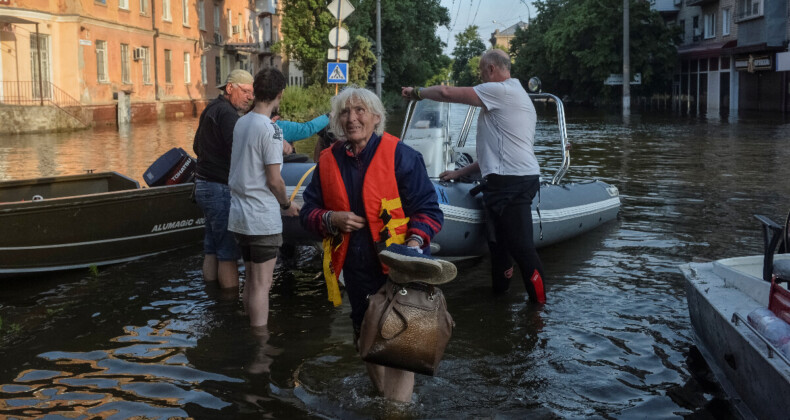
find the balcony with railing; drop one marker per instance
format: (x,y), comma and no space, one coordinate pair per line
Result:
(666,7)
(40,93)
(700,2)
(265,7)
(761,22)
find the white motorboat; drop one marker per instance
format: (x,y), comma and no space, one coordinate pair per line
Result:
(751,370)
(441,133)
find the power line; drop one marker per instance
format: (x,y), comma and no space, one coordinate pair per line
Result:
(478,9)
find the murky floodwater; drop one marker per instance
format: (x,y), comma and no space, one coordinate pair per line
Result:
(148,338)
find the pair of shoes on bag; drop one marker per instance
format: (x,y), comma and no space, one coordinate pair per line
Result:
(408,265)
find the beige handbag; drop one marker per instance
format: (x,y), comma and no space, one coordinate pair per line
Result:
(406,326)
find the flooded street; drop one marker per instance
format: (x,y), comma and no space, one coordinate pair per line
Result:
(150,338)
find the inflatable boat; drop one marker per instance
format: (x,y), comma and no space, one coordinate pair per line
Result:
(443,134)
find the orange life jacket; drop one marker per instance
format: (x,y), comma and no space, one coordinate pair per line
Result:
(383,209)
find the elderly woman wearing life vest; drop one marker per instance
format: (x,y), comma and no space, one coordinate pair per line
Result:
(369,190)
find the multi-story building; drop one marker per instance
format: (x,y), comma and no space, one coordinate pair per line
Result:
(504,38)
(166,56)
(733,55)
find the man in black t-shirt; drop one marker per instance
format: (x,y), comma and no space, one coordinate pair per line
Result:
(213,143)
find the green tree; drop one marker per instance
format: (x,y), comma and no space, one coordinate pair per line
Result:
(467,46)
(361,61)
(305,28)
(444,73)
(412,53)
(574,45)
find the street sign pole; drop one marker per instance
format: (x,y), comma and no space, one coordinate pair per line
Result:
(337,39)
(378,48)
(340,11)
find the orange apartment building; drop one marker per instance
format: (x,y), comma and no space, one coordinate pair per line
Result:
(165,56)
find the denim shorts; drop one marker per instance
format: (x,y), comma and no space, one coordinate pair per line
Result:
(214,199)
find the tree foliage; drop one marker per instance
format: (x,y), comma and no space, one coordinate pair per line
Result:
(411,49)
(444,74)
(573,46)
(362,60)
(412,53)
(305,27)
(467,46)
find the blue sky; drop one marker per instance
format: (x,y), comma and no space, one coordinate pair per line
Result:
(488,15)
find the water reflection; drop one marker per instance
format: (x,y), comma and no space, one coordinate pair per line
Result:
(151,338)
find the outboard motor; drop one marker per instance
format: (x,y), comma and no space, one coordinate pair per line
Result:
(176,166)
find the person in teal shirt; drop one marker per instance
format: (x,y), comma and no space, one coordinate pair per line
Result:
(294,131)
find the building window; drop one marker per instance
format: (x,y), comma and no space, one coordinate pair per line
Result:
(168,66)
(123,4)
(201,15)
(696,30)
(146,66)
(725,21)
(144,7)
(187,68)
(166,10)
(749,8)
(216,18)
(709,22)
(230,25)
(218,70)
(203,70)
(125,66)
(101,1)
(185,14)
(101,61)
(39,65)
(682,25)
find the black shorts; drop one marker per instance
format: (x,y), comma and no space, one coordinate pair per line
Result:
(259,248)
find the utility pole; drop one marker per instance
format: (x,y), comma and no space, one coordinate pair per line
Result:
(626,61)
(378,48)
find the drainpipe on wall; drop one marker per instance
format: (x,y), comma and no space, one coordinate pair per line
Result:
(156,35)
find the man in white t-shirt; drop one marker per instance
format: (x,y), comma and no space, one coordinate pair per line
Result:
(258,198)
(506,159)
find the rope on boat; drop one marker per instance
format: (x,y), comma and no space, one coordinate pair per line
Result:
(301,181)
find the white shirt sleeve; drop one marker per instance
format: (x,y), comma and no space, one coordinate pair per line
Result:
(492,94)
(273,146)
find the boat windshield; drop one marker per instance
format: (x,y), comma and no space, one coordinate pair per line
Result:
(436,130)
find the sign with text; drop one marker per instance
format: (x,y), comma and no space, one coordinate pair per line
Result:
(617,79)
(752,63)
(337,73)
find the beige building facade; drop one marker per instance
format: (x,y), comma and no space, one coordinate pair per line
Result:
(150,58)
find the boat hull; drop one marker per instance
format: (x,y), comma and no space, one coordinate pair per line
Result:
(98,228)
(559,213)
(756,383)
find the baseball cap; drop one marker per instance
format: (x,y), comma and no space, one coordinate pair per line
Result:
(238,76)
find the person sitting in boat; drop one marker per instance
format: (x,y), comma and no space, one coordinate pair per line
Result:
(295,131)
(369,190)
(258,194)
(212,145)
(506,158)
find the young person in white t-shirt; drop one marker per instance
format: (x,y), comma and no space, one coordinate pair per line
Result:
(506,159)
(258,198)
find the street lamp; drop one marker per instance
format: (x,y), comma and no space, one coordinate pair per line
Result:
(529,14)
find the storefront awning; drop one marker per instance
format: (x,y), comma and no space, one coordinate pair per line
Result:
(711,49)
(14,19)
(754,48)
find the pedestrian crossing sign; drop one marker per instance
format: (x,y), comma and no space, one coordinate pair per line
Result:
(337,73)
